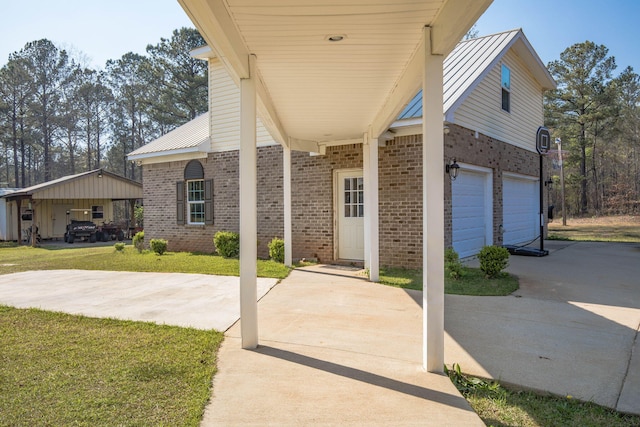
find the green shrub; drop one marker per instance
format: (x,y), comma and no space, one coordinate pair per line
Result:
(276,249)
(227,243)
(138,214)
(493,260)
(158,246)
(119,246)
(452,265)
(138,241)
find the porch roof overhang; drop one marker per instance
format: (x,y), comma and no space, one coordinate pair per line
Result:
(312,90)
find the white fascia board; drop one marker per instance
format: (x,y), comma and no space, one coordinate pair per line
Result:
(268,114)
(172,157)
(213,21)
(202,52)
(304,145)
(410,126)
(530,57)
(191,151)
(453,21)
(404,89)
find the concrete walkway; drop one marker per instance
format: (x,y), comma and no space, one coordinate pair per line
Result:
(334,350)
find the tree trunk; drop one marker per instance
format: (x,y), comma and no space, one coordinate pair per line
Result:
(583,171)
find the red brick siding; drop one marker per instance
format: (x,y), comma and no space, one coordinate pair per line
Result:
(312,187)
(312,199)
(160,200)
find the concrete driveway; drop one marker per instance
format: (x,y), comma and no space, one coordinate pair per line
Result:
(571,328)
(340,350)
(189,300)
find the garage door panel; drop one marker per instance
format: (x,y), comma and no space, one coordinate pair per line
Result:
(520,210)
(469,201)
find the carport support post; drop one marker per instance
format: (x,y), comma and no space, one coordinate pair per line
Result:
(248,211)
(286,165)
(432,209)
(371,210)
(367,200)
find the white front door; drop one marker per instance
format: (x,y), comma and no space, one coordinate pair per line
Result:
(350,213)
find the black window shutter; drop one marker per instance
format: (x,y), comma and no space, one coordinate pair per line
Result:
(208,201)
(180,202)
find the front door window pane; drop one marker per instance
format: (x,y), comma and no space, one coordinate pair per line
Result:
(353,197)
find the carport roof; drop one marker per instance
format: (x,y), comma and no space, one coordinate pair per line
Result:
(332,71)
(130,189)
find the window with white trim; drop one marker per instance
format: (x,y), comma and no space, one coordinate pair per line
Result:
(195,201)
(194,196)
(506,88)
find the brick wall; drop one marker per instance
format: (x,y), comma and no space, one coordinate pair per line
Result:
(160,200)
(312,199)
(312,188)
(400,193)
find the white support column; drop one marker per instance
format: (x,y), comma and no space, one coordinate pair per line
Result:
(288,245)
(367,199)
(248,211)
(373,208)
(432,209)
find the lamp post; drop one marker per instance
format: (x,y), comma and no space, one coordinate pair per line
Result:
(564,215)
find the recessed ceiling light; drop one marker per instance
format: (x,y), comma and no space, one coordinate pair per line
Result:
(336,38)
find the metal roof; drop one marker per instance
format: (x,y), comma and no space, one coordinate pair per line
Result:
(190,137)
(471,60)
(29,191)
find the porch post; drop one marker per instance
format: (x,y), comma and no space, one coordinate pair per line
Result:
(366,180)
(248,211)
(286,164)
(373,208)
(432,209)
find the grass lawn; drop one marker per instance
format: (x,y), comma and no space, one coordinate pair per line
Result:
(597,229)
(501,407)
(24,258)
(472,282)
(57,369)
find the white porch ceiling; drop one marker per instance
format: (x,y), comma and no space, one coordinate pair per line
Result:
(312,89)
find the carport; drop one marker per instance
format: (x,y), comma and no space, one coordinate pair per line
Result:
(51,204)
(327,74)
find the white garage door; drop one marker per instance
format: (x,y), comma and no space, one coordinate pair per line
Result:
(520,209)
(472,207)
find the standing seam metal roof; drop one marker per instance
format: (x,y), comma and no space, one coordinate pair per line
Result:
(464,66)
(190,135)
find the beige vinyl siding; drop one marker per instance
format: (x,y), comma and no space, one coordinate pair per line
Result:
(482,110)
(224,99)
(91,186)
(45,214)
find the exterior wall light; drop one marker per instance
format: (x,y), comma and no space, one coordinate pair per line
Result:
(452,169)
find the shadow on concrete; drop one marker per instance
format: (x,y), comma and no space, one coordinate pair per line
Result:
(364,376)
(570,329)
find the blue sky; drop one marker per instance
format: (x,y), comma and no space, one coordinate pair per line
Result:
(553,25)
(107,29)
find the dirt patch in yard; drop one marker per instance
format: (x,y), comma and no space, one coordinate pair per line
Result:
(624,228)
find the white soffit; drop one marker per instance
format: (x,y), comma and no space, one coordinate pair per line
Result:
(320,90)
